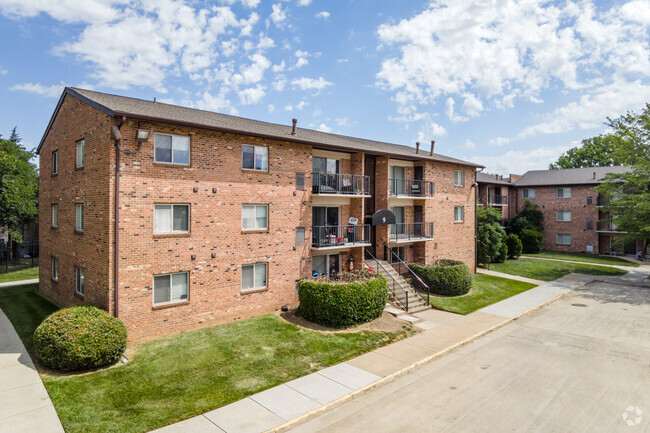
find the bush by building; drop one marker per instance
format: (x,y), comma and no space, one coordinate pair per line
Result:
(502,255)
(531,241)
(80,338)
(514,246)
(445,277)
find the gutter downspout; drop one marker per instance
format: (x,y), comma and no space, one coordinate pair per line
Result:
(476,218)
(117,217)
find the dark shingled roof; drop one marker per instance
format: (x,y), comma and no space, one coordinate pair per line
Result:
(569,176)
(115,105)
(490,178)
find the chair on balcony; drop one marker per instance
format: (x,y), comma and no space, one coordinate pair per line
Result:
(346,186)
(415,189)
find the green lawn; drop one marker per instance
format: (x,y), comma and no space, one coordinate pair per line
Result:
(547,270)
(175,378)
(23,274)
(584,257)
(486,290)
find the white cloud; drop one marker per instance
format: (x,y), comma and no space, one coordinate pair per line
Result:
(252,95)
(280,83)
(324,128)
(343,121)
(520,161)
(299,106)
(265,42)
(342,60)
(279,68)
(323,15)
(251,4)
(472,105)
(499,141)
(218,102)
(228,48)
(300,53)
(64,10)
(278,15)
(270,108)
(304,2)
(300,63)
(3,71)
(450,103)
(53,91)
(469,144)
(305,83)
(254,72)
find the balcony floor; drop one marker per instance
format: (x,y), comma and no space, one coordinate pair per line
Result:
(341,246)
(406,240)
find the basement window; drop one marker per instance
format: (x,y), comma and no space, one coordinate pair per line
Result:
(79,277)
(564,239)
(170,288)
(253,277)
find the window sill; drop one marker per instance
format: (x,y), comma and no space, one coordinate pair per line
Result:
(79,295)
(170,305)
(252,170)
(459,222)
(172,164)
(172,235)
(54,280)
(79,168)
(78,232)
(251,291)
(55,174)
(255,231)
(54,227)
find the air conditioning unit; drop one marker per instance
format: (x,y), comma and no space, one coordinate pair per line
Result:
(590,248)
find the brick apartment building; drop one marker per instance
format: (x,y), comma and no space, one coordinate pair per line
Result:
(218,216)
(495,191)
(573,218)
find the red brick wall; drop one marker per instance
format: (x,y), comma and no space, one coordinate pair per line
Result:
(548,202)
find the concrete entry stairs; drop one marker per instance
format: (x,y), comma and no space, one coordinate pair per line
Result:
(415,301)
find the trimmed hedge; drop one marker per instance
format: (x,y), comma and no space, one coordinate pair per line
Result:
(446,277)
(531,241)
(514,246)
(79,338)
(342,304)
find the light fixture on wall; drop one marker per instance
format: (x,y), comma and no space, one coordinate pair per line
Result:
(142,135)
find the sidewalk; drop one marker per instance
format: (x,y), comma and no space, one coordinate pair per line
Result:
(286,405)
(25,406)
(19,283)
(509,276)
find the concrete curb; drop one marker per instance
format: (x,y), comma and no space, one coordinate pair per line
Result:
(390,378)
(19,283)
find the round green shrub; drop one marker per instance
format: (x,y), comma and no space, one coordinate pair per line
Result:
(446,277)
(531,241)
(342,304)
(502,254)
(514,246)
(79,338)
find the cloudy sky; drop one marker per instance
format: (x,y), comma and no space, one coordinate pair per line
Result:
(510,84)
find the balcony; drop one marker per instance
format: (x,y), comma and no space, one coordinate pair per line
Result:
(340,184)
(411,188)
(497,200)
(410,232)
(608,227)
(332,237)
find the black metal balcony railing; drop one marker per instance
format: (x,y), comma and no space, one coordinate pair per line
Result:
(411,231)
(411,188)
(605,226)
(332,183)
(332,236)
(497,200)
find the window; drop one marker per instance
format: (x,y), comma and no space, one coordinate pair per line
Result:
(459,214)
(564,239)
(397,176)
(79,288)
(325,165)
(563,215)
(171,218)
(255,217)
(168,288)
(564,193)
(458,178)
(255,157)
(300,181)
(55,269)
(326,265)
(172,149)
(55,162)
(80,218)
(55,215)
(590,200)
(590,225)
(300,235)
(79,161)
(253,277)
(529,193)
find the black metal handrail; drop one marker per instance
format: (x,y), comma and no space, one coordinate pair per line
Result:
(410,231)
(411,188)
(409,271)
(498,199)
(392,282)
(331,236)
(334,183)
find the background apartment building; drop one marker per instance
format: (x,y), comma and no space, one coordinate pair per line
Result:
(218,216)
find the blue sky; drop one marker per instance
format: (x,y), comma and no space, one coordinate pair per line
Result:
(509,84)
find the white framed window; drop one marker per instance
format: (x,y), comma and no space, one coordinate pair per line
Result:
(564,193)
(79,160)
(590,200)
(300,235)
(171,218)
(55,215)
(253,277)
(255,157)
(528,193)
(563,215)
(79,226)
(459,214)
(79,277)
(172,149)
(459,178)
(564,239)
(55,269)
(55,162)
(170,288)
(254,217)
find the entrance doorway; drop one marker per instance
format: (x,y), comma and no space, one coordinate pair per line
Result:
(329,264)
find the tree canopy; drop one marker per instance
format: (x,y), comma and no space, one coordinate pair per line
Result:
(490,234)
(530,217)
(594,152)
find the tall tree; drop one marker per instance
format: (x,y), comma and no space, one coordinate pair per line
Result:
(489,234)
(594,152)
(18,188)
(530,217)
(14,137)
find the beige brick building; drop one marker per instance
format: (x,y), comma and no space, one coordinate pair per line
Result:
(218,217)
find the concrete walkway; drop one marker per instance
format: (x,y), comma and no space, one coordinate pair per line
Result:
(25,406)
(509,276)
(19,283)
(278,408)
(626,268)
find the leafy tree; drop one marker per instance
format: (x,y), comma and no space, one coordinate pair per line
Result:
(18,187)
(594,152)
(514,246)
(14,137)
(490,234)
(530,217)
(531,241)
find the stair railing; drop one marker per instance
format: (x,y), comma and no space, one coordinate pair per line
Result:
(394,258)
(393,284)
